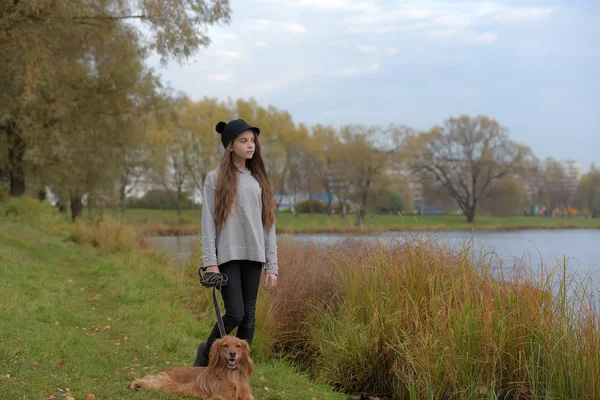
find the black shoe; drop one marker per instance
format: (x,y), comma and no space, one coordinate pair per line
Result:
(201,356)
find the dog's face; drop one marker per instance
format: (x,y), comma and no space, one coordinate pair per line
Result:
(231,352)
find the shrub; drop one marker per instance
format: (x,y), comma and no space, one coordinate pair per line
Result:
(40,214)
(318,206)
(109,235)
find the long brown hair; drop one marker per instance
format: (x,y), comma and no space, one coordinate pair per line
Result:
(227,186)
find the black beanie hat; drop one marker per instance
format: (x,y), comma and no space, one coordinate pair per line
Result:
(229,130)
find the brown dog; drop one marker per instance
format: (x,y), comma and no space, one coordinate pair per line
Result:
(225,378)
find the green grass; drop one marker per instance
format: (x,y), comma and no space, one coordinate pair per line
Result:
(167,222)
(81,319)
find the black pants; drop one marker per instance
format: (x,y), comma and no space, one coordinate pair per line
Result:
(239,297)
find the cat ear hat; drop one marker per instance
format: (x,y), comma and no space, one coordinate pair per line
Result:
(229,130)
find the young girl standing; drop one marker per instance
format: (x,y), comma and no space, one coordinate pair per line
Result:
(238,230)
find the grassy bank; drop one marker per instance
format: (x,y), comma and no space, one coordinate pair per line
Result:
(84,320)
(167,222)
(407,322)
(419,322)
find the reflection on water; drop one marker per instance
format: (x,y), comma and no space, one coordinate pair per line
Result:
(579,249)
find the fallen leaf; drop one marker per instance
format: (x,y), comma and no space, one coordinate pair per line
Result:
(266,388)
(70,280)
(60,366)
(90,397)
(135,360)
(35,363)
(117,344)
(125,338)
(56,323)
(7,376)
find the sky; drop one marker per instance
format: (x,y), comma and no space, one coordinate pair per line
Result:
(533,66)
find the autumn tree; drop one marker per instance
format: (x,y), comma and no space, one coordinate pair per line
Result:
(47,45)
(505,197)
(466,156)
(368,154)
(588,193)
(324,149)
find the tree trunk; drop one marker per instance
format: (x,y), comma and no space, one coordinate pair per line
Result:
(178,201)
(329,203)
(470,214)
(76,207)
(122,189)
(16,153)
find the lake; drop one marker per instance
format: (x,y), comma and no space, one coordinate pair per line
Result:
(579,248)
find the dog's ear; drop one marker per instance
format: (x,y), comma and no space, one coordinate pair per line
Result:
(246,363)
(215,353)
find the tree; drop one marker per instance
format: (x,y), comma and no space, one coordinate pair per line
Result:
(323,149)
(367,155)
(505,197)
(47,44)
(466,156)
(195,126)
(588,194)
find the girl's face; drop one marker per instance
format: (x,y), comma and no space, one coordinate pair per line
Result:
(244,146)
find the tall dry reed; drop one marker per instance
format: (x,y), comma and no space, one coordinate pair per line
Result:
(418,321)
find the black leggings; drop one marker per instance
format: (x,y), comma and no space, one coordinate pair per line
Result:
(239,297)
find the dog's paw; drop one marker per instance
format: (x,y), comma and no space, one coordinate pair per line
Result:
(135,386)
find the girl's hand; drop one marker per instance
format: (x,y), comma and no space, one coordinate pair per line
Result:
(212,268)
(270,281)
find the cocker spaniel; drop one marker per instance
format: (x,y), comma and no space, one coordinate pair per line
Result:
(225,378)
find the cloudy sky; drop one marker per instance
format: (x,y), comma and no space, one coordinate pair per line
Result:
(532,65)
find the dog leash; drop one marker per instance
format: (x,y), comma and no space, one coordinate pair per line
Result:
(215,280)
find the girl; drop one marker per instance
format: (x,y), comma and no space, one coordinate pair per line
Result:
(238,230)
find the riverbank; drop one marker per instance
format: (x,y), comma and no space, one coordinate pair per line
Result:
(85,319)
(168,223)
(408,321)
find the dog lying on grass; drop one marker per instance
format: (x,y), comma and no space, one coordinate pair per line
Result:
(225,378)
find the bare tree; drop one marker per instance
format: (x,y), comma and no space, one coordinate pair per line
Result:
(466,156)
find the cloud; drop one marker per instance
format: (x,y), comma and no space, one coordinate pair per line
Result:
(261,43)
(265,25)
(228,54)
(226,36)
(334,5)
(374,50)
(440,17)
(219,78)
(293,27)
(486,37)
(277,81)
(350,72)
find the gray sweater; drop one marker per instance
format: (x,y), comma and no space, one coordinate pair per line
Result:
(242,237)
